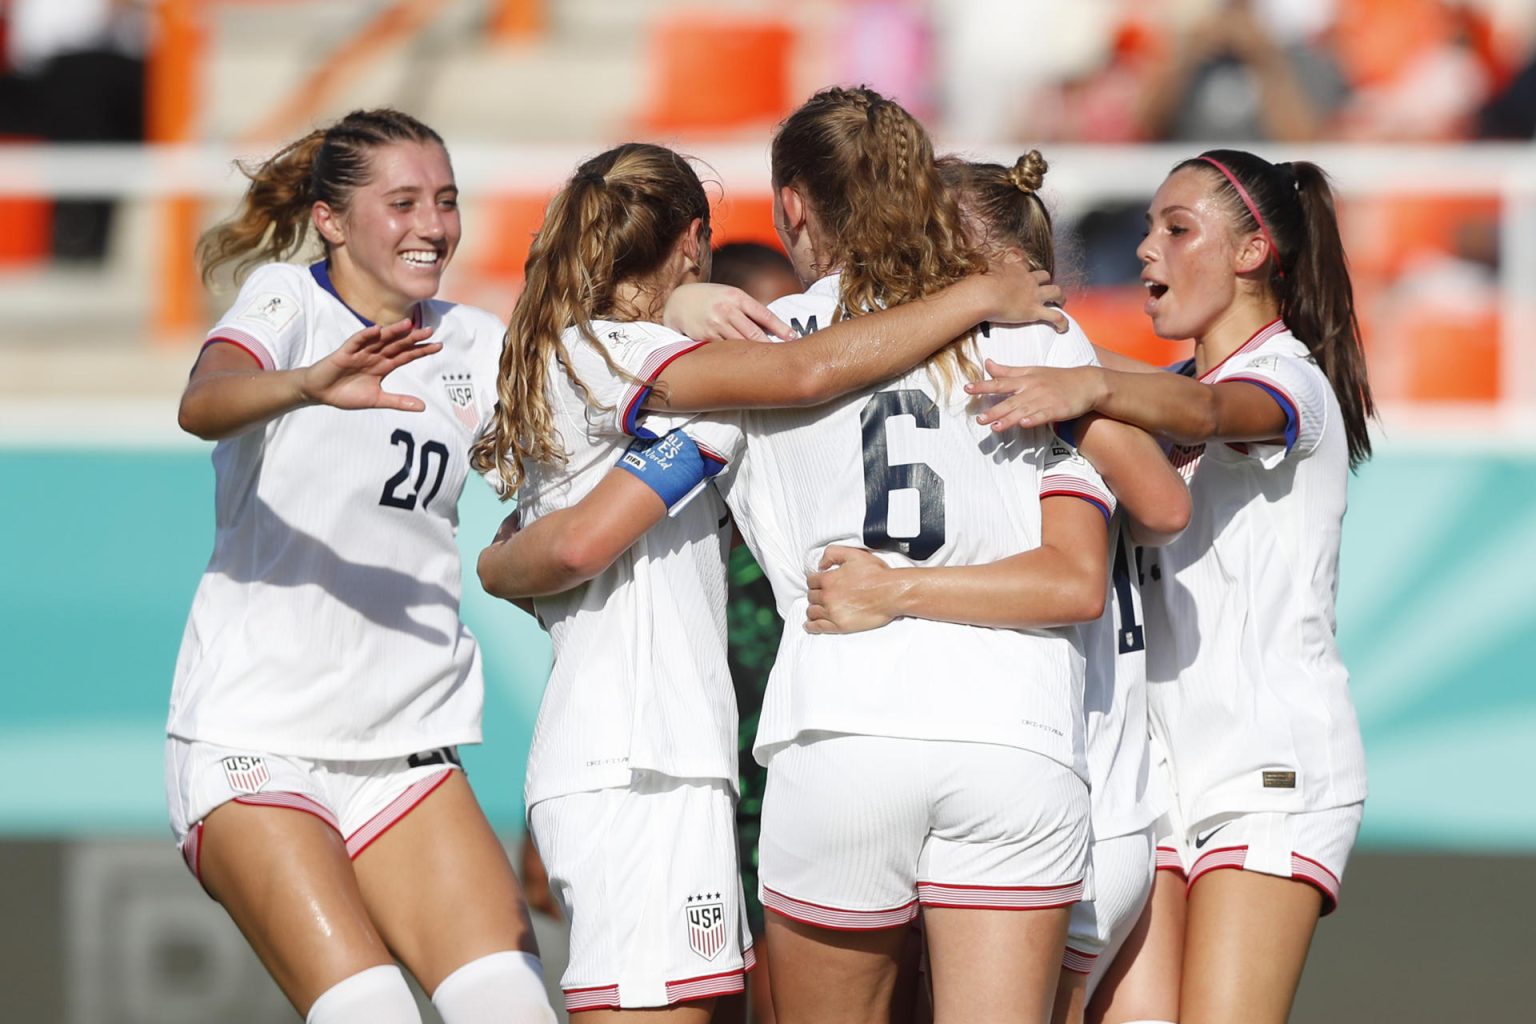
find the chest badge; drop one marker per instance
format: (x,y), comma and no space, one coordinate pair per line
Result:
(461,398)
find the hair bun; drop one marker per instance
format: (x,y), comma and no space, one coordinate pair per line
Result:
(1028,172)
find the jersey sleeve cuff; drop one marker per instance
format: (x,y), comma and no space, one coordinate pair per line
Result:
(633,401)
(1072,487)
(1283,399)
(245,341)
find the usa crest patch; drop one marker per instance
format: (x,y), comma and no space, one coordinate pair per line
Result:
(461,397)
(706,924)
(246,774)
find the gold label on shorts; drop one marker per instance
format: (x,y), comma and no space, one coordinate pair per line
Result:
(1279,780)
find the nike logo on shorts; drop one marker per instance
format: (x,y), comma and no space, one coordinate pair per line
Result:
(1200,841)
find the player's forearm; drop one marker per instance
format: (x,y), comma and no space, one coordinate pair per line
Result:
(1035,589)
(865,350)
(1132,464)
(545,557)
(1163,404)
(832,361)
(219,405)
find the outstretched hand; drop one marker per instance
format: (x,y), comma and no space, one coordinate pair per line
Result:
(1021,295)
(1037,394)
(352,377)
(853,591)
(719,312)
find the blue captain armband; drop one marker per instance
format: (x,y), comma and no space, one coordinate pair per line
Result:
(673,466)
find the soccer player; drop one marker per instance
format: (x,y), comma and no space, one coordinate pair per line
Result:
(1247,692)
(1004,209)
(630,779)
(325,679)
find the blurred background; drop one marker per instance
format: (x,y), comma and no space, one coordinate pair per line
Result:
(119,122)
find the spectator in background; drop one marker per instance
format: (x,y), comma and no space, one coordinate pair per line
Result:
(76,74)
(1247,71)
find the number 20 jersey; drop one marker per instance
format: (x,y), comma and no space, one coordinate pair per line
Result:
(904,469)
(327,622)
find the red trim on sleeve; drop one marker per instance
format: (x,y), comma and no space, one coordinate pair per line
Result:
(649,375)
(221,340)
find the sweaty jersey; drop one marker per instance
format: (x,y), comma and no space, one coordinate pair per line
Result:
(1245,685)
(327,622)
(640,678)
(903,469)
(1115,699)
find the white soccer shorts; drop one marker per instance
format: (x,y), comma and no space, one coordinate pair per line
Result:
(361,800)
(647,875)
(1310,846)
(859,830)
(1122,880)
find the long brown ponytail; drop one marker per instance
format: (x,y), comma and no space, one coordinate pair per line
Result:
(327,165)
(891,226)
(1309,273)
(615,222)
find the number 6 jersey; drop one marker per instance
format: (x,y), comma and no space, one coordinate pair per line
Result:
(327,622)
(904,469)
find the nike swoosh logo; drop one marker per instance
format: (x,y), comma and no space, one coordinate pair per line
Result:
(1200,841)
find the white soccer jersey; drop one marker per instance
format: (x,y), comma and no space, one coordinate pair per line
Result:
(639,679)
(1115,699)
(1246,687)
(327,622)
(905,470)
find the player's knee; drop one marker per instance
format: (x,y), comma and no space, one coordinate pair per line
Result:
(378,995)
(507,986)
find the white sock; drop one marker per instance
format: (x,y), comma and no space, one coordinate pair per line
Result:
(378,995)
(506,986)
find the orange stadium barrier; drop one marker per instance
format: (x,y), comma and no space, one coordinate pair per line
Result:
(712,73)
(26,225)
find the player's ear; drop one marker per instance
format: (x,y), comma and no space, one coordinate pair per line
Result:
(693,240)
(1252,253)
(793,206)
(327,222)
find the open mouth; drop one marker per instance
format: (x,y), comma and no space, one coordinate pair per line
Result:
(1155,289)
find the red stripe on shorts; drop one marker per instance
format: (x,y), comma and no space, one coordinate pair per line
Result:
(999,897)
(396,809)
(836,918)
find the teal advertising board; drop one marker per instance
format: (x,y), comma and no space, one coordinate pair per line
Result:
(100,552)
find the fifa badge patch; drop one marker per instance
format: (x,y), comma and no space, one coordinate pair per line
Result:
(246,774)
(706,924)
(461,396)
(271,309)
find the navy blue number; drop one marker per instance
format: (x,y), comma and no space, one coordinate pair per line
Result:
(1132,636)
(881,478)
(433,452)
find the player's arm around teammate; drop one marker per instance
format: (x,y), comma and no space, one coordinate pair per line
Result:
(571,545)
(333,854)
(1245,257)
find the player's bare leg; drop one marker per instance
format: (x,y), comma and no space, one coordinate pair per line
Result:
(821,976)
(440,888)
(994,965)
(1143,981)
(285,878)
(1071,997)
(1245,945)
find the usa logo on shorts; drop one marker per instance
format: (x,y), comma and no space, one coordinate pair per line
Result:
(706,925)
(246,774)
(461,395)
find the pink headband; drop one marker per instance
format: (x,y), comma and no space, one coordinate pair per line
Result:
(1253,208)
